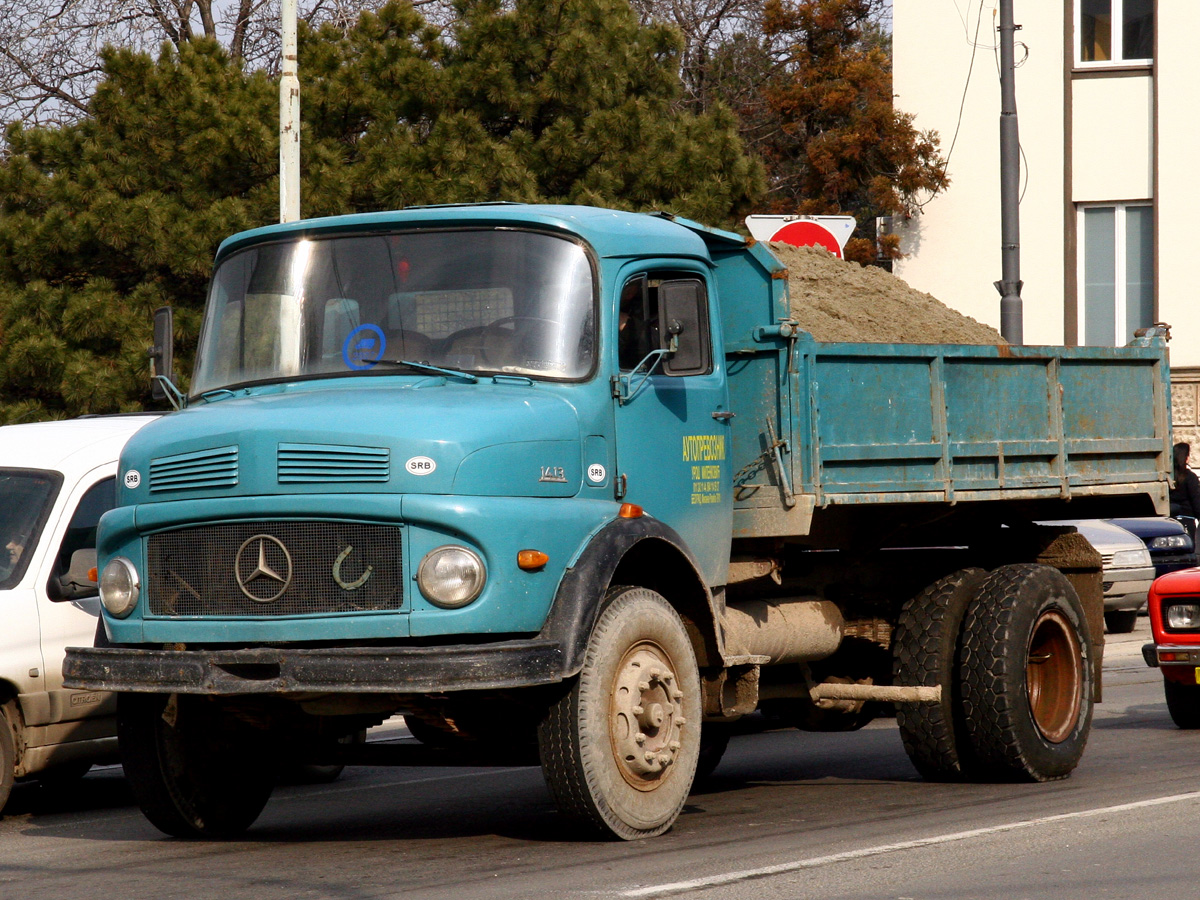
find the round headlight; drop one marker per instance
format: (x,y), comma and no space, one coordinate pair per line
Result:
(119,587)
(1183,615)
(451,577)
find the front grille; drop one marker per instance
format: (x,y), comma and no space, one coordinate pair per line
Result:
(190,471)
(192,571)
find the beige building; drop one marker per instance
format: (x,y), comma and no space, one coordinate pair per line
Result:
(1110,135)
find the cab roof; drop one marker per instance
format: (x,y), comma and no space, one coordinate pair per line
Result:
(610,232)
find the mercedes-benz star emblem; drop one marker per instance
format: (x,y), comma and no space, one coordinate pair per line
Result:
(263,577)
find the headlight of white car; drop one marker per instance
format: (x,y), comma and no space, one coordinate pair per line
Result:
(451,577)
(119,587)
(1131,559)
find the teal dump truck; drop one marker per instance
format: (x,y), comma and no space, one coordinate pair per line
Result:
(569,485)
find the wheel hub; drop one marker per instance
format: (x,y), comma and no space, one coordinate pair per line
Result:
(646,716)
(1054,676)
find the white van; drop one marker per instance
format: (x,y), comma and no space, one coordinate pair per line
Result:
(56,480)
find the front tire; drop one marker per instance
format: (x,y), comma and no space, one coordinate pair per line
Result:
(1120,621)
(195,770)
(1026,678)
(619,749)
(1183,703)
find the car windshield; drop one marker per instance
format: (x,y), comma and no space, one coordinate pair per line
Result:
(485,300)
(25,498)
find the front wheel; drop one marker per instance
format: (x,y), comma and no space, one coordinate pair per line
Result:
(619,749)
(1183,703)
(1026,677)
(1120,621)
(194,769)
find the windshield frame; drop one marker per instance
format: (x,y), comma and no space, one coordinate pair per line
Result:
(37,525)
(391,370)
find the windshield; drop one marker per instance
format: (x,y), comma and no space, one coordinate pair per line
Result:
(25,499)
(471,300)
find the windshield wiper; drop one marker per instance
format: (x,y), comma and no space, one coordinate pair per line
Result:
(427,367)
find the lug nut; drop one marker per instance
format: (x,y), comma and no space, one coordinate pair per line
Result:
(643,686)
(650,757)
(637,710)
(674,745)
(655,672)
(676,695)
(639,738)
(665,760)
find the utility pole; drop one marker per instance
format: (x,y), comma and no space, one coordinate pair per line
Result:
(1009,285)
(289,118)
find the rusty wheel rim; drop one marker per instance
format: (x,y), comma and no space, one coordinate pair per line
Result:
(1054,676)
(646,716)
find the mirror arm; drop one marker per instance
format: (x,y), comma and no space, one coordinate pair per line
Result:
(625,389)
(176,397)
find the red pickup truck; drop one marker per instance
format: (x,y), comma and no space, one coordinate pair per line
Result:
(1174,606)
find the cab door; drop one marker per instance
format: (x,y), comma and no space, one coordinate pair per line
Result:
(673,424)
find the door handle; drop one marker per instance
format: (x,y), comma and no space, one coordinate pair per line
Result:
(722,415)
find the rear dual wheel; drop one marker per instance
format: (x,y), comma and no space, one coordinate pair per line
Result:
(1009,650)
(619,750)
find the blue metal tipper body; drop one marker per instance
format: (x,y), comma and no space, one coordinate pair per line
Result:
(494,466)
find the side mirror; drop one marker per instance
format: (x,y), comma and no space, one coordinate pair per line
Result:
(685,333)
(78,583)
(162,354)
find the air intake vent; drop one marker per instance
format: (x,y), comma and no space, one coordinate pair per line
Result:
(326,463)
(193,471)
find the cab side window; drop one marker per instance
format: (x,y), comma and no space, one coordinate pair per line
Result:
(665,311)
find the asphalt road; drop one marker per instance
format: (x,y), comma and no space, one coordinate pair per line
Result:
(787,815)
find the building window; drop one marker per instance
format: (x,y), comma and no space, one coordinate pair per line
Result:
(1116,271)
(1114,32)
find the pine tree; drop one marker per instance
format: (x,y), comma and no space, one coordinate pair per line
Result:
(536,100)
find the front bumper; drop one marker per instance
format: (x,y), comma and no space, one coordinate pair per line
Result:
(1127,588)
(274,670)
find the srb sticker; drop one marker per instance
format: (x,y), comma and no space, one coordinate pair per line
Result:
(133,478)
(420,465)
(596,473)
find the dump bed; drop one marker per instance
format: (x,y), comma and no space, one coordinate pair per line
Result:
(1067,431)
(913,423)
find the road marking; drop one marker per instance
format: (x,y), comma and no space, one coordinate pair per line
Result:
(678,887)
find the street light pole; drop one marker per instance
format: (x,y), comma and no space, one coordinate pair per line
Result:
(289,118)
(1009,285)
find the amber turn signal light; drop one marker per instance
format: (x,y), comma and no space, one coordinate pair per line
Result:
(630,511)
(529,560)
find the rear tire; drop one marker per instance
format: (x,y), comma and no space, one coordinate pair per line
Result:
(1120,621)
(1026,678)
(195,770)
(8,753)
(925,649)
(619,749)
(1183,703)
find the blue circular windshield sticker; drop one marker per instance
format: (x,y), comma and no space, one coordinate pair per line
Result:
(364,347)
